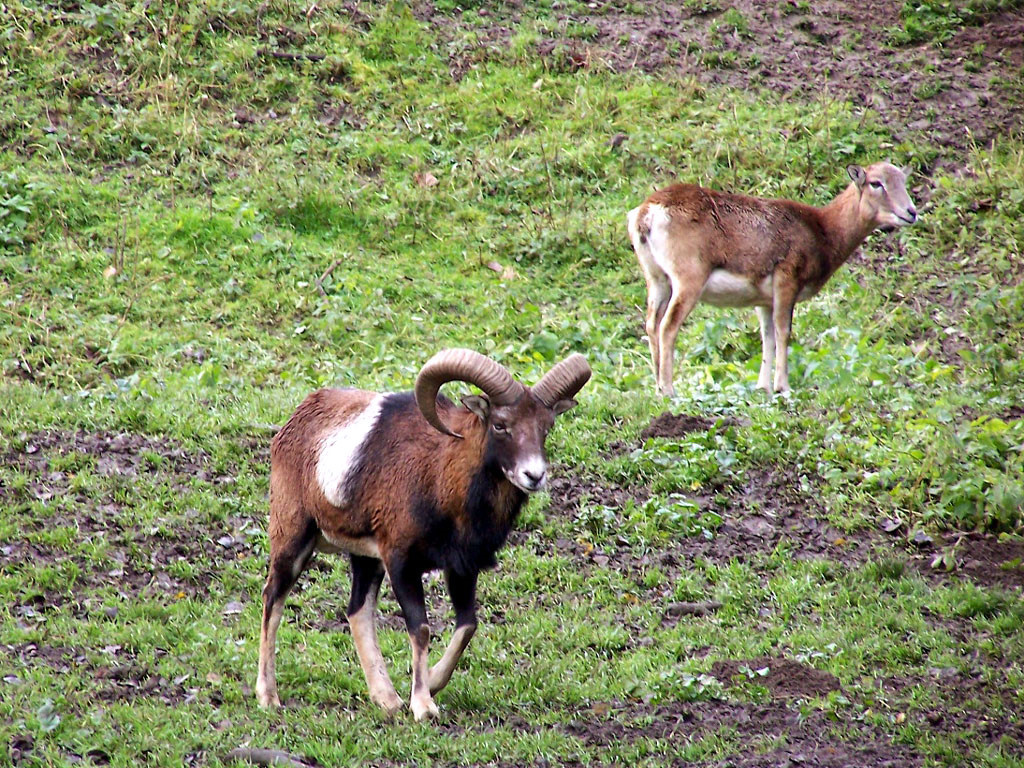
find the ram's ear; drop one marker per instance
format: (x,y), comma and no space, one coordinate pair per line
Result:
(857,174)
(562,406)
(907,171)
(478,404)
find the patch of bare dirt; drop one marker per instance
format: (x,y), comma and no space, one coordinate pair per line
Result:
(773,508)
(986,559)
(334,114)
(1013,413)
(990,562)
(121,675)
(137,560)
(983,558)
(1002,37)
(806,739)
(784,678)
(770,508)
(822,50)
(961,702)
(676,425)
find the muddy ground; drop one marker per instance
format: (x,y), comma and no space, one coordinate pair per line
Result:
(770,509)
(946,94)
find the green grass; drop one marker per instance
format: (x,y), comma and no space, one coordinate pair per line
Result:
(170,199)
(939,20)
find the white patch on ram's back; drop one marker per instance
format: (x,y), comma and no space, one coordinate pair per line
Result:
(728,289)
(340,450)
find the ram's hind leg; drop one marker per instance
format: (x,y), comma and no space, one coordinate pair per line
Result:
(463,593)
(290,551)
(367,574)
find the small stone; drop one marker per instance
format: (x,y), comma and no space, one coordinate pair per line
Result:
(921,539)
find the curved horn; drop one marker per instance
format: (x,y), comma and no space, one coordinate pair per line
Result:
(462,365)
(563,381)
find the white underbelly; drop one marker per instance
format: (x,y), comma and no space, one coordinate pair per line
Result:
(727,289)
(332,544)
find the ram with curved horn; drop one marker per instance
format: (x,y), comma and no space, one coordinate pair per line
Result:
(405,484)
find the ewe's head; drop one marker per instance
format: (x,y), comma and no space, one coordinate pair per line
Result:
(884,202)
(516,419)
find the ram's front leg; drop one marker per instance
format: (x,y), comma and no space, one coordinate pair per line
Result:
(408,585)
(367,574)
(462,590)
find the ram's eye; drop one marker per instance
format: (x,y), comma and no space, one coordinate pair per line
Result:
(877,185)
(500,427)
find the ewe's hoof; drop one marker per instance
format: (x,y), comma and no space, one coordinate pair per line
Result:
(424,710)
(390,705)
(269,700)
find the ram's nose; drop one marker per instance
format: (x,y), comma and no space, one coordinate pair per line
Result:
(534,478)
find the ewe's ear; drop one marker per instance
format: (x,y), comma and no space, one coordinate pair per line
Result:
(478,404)
(562,406)
(857,174)
(907,170)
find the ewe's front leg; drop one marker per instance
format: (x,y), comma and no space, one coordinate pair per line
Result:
(462,590)
(408,584)
(782,316)
(764,378)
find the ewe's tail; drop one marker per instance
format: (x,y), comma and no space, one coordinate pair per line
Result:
(639,221)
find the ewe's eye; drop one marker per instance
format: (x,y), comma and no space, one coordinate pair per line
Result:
(877,185)
(500,427)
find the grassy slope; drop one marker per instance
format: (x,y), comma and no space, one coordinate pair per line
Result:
(220,184)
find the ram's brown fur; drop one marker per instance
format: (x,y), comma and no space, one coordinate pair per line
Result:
(372,475)
(427,456)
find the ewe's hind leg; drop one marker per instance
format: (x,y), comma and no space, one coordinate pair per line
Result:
(764,378)
(686,287)
(463,593)
(658,293)
(408,584)
(289,555)
(367,574)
